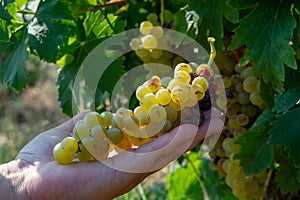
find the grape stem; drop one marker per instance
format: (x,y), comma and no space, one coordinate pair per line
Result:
(205,193)
(99,6)
(267,181)
(26,12)
(162,10)
(213,52)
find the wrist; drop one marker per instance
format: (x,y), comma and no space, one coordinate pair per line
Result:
(12,181)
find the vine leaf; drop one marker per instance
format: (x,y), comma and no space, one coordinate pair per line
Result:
(256,153)
(12,72)
(285,133)
(287,100)
(47,29)
(286,178)
(211,16)
(267,31)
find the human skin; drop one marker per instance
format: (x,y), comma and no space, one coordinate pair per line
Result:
(34,174)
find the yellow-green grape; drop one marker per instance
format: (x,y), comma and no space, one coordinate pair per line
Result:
(92,119)
(231,123)
(154,83)
(175,105)
(179,94)
(115,135)
(251,187)
(227,82)
(69,144)
(239,87)
(173,83)
(124,112)
(236,78)
(142,53)
(192,100)
(239,68)
(246,73)
(135,43)
(182,76)
(171,113)
(152,17)
(142,90)
(149,42)
(201,81)
(148,101)
(131,124)
(167,15)
(242,119)
(143,119)
(137,111)
(98,132)
(62,156)
(157,32)
(125,144)
(157,114)
(145,27)
(199,91)
(82,130)
(255,99)
(167,126)
(156,53)
(163,96)
(250,84)
(183,67)
(118,121)
(84,156)
(243,98)
(221,102)
(106,118)
(75,132)
(98,149)
(205,71)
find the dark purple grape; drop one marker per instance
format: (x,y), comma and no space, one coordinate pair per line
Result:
(229,94)
(167,25)
(205,103)
(193,76)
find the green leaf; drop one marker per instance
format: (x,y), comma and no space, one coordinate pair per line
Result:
(4,14)
(4,33)
(285,133)
(47,29)
(256,153)
(298,175)
(20,3)
(242,4)
(213,182)
(231,14)
(286,178)
(211,14)
(183,182)
(266,91)
(267,31)
(287,100)
(65,84)
(12,72)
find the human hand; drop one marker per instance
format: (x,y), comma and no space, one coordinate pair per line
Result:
(41,177)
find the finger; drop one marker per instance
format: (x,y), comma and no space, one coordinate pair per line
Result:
(155,154)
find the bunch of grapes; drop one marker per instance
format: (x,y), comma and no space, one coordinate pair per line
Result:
(164,104)
(154,45)
(243,105)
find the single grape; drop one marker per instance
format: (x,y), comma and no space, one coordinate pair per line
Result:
(243,98)
(143,119)
(145,27)
(205,70)
(106,118)
(118,121)
(154,83)
(199,91)
(156,53)
(137,111)
(98,132)
(171,113)
(152,17)
(256,99)
(157,114)
(143,53)
(82,130)
(115,135)
(69,144)
(157,32)
(183,67)
(182,76)
(242,119)
(167,15)
(135,43)
(250,84)
(227,82)
(201,81)
(165,81)
(179,94)
(148,101)
(142,90)
(131,124)
(98,149)
(61,156)
(163,96)
(246,73)
(149,42)
(84,156)
(124,112)
(92,119)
